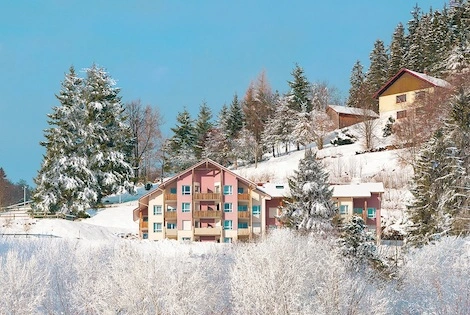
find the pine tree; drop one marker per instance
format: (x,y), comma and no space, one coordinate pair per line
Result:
(109,142)
(66,182)
(235,118)
(309,206)
(397,51)
(414,56)
(356,81)
(182,143)
(378,70)
(300,91)
(202,128)
(359,244)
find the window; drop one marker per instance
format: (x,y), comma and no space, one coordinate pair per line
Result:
(145,219)
(401,114)
(357,210)
(227,224)
(256,210)
(420,95)
(170,209)
(279,186)
(186,239)
(343,209)
(186,190)
(240,190)
(185,207)
(227,240)
(227,189)
(197,188)
(145,236)
(173,191)
(242,225)
(371,213)
(401,98)
(157,210)
(242,208)
(171,226)
(228,207)
(157,227)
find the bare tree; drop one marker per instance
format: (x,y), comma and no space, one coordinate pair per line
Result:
(145,123)
(322,126)
(368,124)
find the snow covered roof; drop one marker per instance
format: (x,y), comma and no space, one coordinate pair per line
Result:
(353,111)
(427,78)
(276,190)
(360,190)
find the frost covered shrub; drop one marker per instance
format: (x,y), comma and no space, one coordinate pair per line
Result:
(289,273)
(436,279)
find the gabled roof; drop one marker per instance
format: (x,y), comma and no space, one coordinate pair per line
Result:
(353,111)
(276,189)
(206,161)
(361,190)
(424,77)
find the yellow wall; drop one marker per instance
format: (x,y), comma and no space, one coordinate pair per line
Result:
(389,102)
(156,199)
(406,83)
(345,201)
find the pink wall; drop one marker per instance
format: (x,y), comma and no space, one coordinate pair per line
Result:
(273,203)
(373,202)
(185,179)
(230,179)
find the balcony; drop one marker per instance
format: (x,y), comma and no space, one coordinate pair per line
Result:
(243,197)
(207,196)
(243,232)
(244,214)
(170,215)
(208,231)
(207,214)
(171,197)
(171,232)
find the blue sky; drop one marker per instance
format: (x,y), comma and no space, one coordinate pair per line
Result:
(172,54)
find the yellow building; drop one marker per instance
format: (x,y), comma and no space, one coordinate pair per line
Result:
(403,91)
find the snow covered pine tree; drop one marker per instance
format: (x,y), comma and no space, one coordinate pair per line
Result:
(310,206)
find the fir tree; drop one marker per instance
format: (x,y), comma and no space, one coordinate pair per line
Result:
(356,82)
(397,51)
(109,141)
(358,244)
(182,143)
(300,91)
(235,118)
(202,128)
(66,183)
(378,70)
(309,206)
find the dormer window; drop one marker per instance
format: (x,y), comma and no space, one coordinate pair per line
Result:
(401,98)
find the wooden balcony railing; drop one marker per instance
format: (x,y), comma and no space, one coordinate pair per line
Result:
(207,231)
(243,231)
(244,214)
(207,214)
(144,225)
(244,197)
(171,197)
(170,215)
(207,196)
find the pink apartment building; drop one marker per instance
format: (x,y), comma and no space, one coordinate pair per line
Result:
(207,203)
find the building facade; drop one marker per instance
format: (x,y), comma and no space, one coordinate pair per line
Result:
(405,89)
(361,199)
(206,203)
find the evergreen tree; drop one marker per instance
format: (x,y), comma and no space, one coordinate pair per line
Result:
(66,182)
(378,71)
(397,51)
(109,142)
(235,118)
(310,205)
(299,93)
(202,128)
(414,56)
(182,143)
(356,81)
(359,244)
